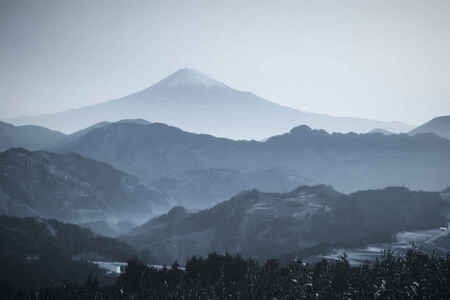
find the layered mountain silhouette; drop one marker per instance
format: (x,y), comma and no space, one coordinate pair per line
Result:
(70,187)
(29,137)
(439,126)
(170,158)
(197,103)
(263,225)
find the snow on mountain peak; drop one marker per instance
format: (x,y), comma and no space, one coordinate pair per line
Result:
(187,77)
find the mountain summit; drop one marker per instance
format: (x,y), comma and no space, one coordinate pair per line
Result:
(195,102)
(188,77)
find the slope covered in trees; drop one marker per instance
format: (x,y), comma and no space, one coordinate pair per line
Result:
(305,220)
(38,253)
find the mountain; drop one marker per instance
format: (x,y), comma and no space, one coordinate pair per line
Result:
(197,103)
(41,253)
(381,131)
(252,223)
(30,137)
(70,187)
(307,219)
(439,126)
(183,163)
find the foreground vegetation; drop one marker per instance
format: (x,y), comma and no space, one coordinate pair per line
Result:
(413,276)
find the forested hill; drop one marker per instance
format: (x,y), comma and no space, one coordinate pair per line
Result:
(266,225)
(40,253)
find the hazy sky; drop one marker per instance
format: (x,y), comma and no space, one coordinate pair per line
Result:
(388,60)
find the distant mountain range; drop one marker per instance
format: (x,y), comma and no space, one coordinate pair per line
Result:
(197,103)
(170,159)
(305,220)
(198,171)
(29,137)
(439,126)
(70,187)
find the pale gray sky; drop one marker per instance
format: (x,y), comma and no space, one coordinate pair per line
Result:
(387,60)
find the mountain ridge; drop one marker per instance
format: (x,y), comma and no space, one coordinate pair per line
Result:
(156,151)
(438,125)
(27,136)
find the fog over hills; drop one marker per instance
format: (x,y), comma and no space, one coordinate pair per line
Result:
(172,159)
(439,126)
(197,103)
(71,188)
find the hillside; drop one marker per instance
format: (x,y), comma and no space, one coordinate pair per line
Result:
(439,126)
(39,253)
(70,187)
(305,220)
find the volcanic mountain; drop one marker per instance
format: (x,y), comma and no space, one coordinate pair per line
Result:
(197,103)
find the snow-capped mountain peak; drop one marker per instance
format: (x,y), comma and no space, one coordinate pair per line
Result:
(188,77)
